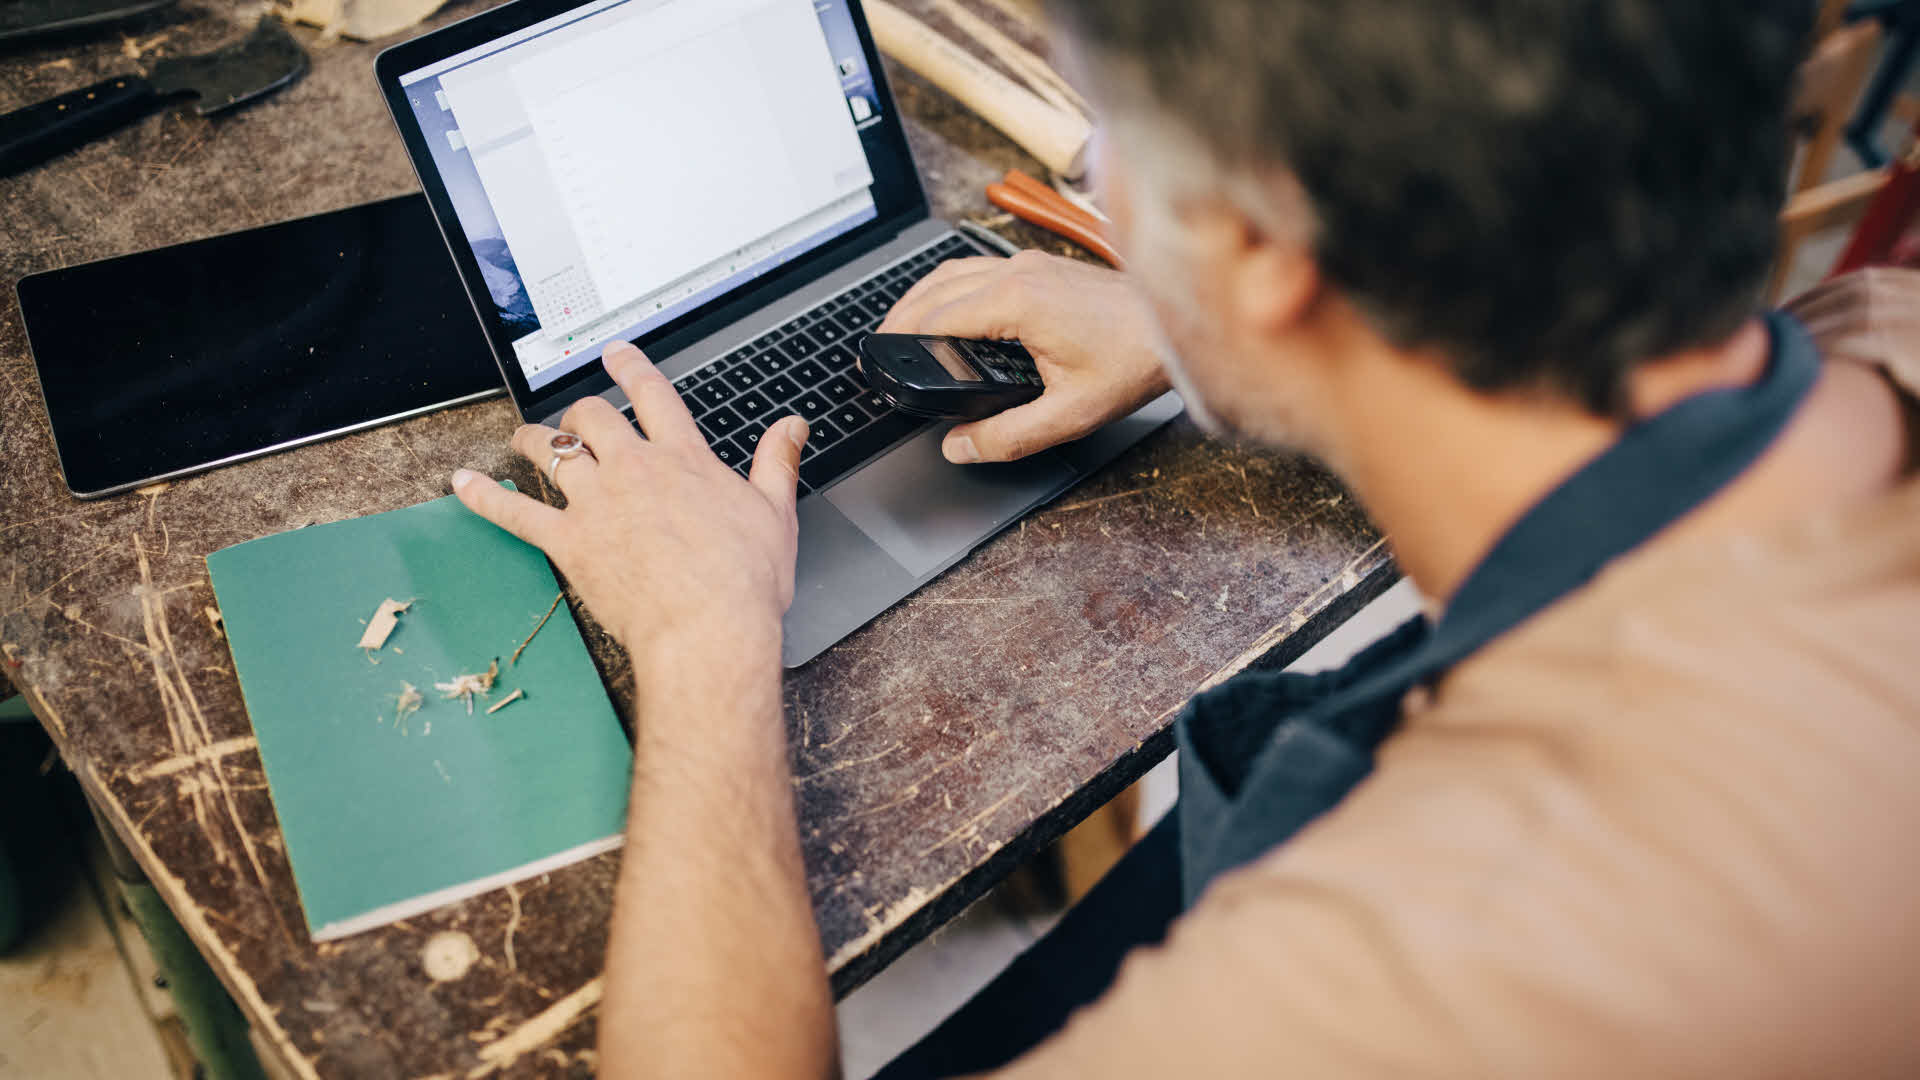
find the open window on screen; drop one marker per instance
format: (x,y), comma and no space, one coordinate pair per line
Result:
(636,147)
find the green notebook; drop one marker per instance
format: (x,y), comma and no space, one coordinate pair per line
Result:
(389,810)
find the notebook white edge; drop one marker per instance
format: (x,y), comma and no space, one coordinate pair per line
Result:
(453,894)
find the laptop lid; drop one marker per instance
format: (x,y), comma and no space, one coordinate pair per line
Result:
(646,170)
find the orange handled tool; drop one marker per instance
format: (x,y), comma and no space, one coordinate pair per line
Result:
(1031,201)
(1021,181)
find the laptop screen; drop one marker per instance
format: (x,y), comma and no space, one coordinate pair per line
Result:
(617,166)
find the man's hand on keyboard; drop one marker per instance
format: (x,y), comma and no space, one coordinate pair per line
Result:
(668,547)
(1092,334)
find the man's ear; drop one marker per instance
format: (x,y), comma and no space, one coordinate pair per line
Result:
(1268,282)
(1277,282)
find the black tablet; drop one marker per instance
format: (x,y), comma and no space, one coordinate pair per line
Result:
(173,361)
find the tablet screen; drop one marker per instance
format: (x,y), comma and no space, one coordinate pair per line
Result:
(187,357)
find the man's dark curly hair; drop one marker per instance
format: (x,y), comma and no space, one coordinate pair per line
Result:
(1547,191)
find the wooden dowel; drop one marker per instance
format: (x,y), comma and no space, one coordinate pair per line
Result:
(1038,73)
(1054,136)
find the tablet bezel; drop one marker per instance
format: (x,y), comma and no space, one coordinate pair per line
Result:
(48,298)
(898,194)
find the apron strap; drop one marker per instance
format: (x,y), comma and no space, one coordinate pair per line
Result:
(1659,471)
(1311,755)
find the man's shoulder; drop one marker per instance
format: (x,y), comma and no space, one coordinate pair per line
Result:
(1765,676)
(1644,827)
(1819,614)
(1817,618)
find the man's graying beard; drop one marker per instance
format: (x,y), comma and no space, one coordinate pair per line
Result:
(1174,302)
(1156,260)
(1159,257)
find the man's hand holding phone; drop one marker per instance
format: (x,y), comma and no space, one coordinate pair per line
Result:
(1090,332)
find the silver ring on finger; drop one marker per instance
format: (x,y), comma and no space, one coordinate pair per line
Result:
(566,446)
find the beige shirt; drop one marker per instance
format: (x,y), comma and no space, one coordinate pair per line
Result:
(1668,828)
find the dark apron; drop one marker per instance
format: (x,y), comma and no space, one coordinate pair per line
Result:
(1264,754)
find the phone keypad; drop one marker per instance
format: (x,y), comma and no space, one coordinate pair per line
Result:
(1002,361)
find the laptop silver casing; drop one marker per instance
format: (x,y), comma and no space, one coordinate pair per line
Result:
(871,538)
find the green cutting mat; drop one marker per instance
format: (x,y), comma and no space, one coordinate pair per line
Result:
(386,816)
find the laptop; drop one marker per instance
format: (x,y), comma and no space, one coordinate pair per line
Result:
(726,184)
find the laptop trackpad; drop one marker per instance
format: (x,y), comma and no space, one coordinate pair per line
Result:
(924,511)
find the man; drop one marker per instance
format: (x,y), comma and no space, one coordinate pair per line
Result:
(1640,799)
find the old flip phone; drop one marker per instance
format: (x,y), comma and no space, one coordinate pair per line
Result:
(948,377)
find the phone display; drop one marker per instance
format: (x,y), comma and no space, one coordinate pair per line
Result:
(948,377)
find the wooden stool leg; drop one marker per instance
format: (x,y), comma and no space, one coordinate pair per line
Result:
(1058,877)
(1091,849)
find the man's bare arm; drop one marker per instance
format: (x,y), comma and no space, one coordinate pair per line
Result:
(714,968)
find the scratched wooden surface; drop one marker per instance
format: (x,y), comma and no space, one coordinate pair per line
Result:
(932,751)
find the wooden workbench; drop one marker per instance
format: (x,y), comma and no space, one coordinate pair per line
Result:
(933,751)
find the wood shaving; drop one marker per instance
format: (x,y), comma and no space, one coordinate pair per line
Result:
(408,704)
(362,20)
(214,620)
(464,687)
(380,627)
(513,923)
(133,49)
(505,701)
(551,608)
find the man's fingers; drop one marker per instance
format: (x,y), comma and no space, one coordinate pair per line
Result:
(530,441)
(909,317)
(995,312)
(776,463)
(603,427)
(1022,430)
(535,443)
(535,522)
(900,319)
(656,404)
(947,271)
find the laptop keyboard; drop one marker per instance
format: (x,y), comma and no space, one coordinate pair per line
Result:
(806,366)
